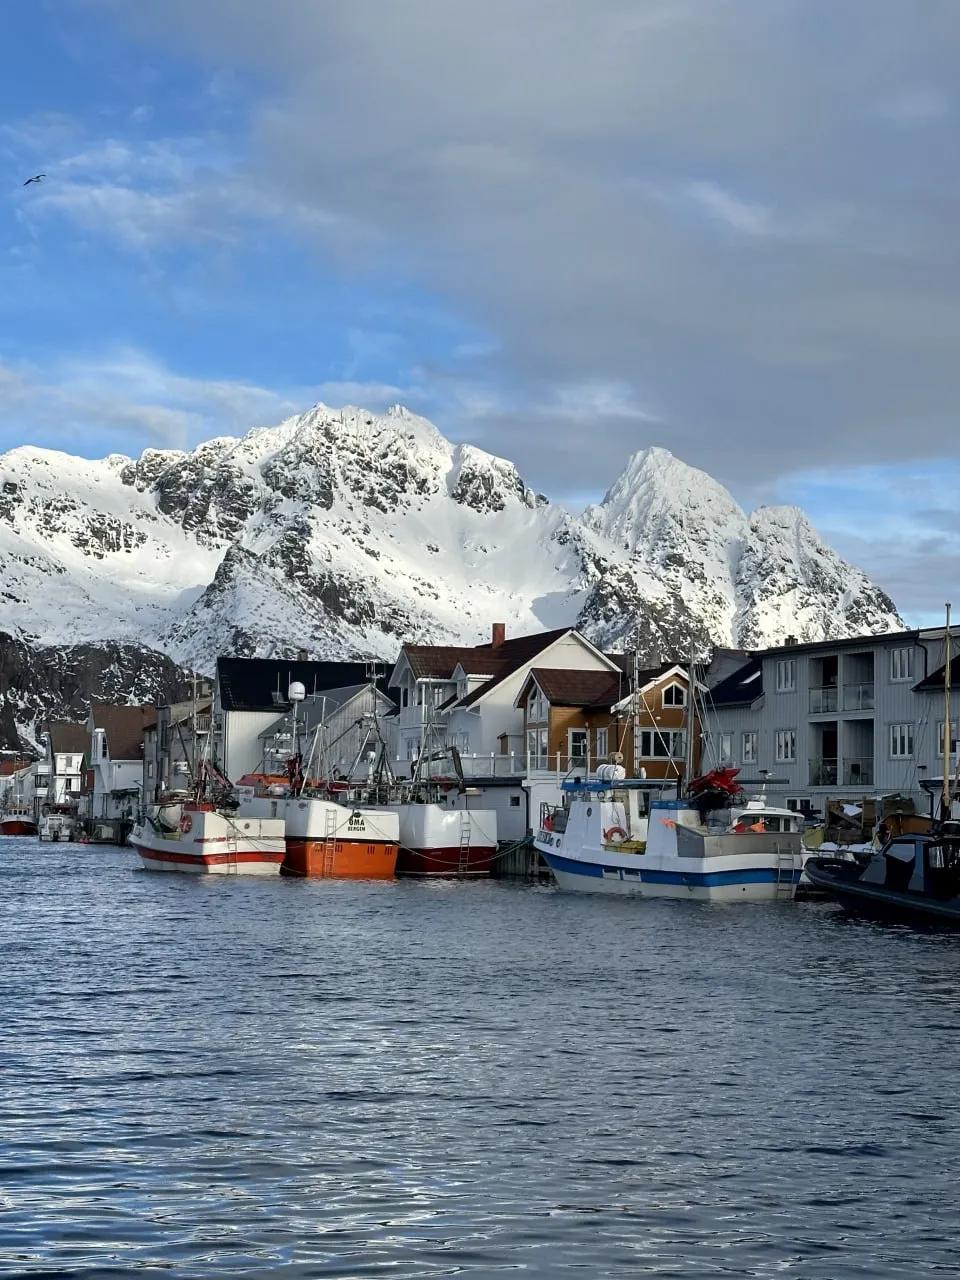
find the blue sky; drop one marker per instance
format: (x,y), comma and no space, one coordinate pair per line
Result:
(723,228)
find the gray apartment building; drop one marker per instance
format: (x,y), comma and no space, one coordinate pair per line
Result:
(838,719)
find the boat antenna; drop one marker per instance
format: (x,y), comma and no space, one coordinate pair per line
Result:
(948,646)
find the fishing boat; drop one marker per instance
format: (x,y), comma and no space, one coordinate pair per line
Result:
(58,822)
(625,836)
(211,836)
(436,840)
(17,819)
(913,875)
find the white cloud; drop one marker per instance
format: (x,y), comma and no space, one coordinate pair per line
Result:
(750,218)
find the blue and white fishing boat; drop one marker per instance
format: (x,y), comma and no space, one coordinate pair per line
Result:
(619,835)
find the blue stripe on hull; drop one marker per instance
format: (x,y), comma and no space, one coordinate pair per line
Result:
(748,875)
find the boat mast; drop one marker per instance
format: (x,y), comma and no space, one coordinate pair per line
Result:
(947,736)
(635,704)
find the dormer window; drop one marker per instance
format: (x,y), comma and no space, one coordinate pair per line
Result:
(674,695)
(537,706)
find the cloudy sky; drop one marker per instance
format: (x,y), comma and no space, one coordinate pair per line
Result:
(563,230)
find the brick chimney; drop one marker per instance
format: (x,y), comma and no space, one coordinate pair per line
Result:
(498,634)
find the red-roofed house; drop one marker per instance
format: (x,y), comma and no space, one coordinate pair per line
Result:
(462,696)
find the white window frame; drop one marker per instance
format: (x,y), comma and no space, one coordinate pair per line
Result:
(725,748)
(954,739)
(748,754)
(674,684)
(901,664)
(786,675)
(603,741)
(538,709)
(901,741)
(580,731)
(786,746)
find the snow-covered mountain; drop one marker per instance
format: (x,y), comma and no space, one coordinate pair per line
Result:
(344,532)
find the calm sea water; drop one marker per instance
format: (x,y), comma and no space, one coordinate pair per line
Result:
(211,1077)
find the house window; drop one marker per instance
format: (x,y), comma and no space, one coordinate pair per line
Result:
(749,753)
(786,744)
(665,744)
(514,802)
(799,804)
(537,747)
(603,742)
(901,741)
(724,748)
(901,664)
(953,738)
(405,696)
(786,675)
(578,744)
(149,768)
(413,748)
(537,706)
(674,695)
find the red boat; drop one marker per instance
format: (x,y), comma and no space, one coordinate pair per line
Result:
(18,821)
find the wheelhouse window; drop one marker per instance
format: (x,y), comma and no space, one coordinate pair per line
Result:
(749,745)
(901,663)
(786,675)
(901,741)
(786,744)
(674,695)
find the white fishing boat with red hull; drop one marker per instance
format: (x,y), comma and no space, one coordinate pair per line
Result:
(440,841)
(209,836)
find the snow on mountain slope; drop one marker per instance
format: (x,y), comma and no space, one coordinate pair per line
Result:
(343,532)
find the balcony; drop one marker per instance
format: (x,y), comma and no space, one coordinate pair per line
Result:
(823,773)
(858,771)
(858,697)
(823,700)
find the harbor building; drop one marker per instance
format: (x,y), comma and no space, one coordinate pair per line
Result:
(837,719)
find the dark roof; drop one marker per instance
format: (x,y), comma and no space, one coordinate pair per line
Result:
(654,673)
(742,686)
(124,728)
(513,654)
(68,738)
(851,642)
(579,688)
(436,661)
(250,684)
(933,683)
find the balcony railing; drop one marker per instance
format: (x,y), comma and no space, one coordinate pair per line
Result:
(858,697)
(858,771)
(823,700)
(823,773)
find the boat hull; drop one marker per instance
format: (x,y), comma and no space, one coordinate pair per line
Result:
(213,844)
(437,841)
(330,841)
(880,903)
(17,827)
(718,883)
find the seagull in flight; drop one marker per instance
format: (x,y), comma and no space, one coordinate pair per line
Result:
(37,177)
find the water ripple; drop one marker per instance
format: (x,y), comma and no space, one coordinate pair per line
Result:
(295,1079)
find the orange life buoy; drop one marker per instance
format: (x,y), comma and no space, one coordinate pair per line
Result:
(614,831)
(186,824)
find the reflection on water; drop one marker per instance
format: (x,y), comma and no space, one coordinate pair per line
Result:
(290,1078)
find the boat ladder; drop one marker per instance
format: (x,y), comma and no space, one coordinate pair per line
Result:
(329,841)
(786,865)
(463,862)
(231,849)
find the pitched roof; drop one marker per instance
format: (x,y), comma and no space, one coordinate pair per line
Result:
(513,654)
(261,684)
(68,738)
(572,688)
(933,683)
(741,686)
(124,728)
(438,661)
